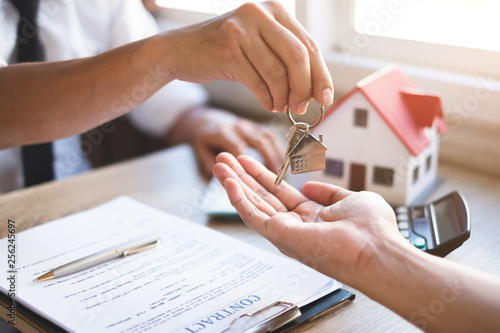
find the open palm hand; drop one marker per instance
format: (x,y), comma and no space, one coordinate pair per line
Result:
(328,228)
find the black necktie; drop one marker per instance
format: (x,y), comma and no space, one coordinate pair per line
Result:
(37,159)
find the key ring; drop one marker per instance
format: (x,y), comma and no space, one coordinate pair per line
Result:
(289,114)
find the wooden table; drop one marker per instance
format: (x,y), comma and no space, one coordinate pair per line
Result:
(169,180)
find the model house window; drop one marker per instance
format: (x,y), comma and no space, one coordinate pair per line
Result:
(428,163)
(383,176)
(360,117)
(415,174)
(334,167)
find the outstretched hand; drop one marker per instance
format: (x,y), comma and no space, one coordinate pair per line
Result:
(328,228)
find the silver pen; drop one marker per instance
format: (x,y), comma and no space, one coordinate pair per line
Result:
(122,250)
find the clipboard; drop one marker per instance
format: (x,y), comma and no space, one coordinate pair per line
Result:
(281,315)
(285,315)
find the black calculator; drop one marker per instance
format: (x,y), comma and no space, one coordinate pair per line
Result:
(438,227)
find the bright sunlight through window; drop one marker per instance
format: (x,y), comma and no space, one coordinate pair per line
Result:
(216,7)
(466,23)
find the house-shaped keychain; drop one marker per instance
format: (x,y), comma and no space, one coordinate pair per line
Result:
(308,154)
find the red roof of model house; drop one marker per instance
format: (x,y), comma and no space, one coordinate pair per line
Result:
(406,109)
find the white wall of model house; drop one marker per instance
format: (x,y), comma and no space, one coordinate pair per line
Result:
(389,166)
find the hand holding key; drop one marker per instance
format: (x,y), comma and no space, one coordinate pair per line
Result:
(305,152)
(262,46)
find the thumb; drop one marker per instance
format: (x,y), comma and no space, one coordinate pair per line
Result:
(323,193)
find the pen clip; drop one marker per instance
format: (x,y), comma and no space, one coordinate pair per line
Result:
(141,248)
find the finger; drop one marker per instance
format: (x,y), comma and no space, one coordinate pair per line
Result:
(287,236)
(284,231)
(263,140)
(245,72)
(292,239)
(210,145)
(285,45)
(250,214)
(280,231)
(251,184)
(223,171)
(274,150)
(277,158)
(270,68)
(322,85)
(226,139)
(325,194)
(286,194)
(206,157)
(295,57)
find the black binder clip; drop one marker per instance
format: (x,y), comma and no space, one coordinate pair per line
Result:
(266,319)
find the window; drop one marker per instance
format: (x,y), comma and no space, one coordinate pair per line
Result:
(358,37)
(415,174)
(299,163)
(383,176)
(334,167)
(446,34)
(216,7)
(360,117)
(175,14)
(428,163)
(460,23)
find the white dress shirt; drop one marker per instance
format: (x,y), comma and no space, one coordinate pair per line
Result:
(72,29)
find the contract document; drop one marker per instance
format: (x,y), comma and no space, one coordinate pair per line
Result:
(196,280)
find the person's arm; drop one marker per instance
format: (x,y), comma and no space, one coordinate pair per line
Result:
(353,237)
(433,293)
(259,45)
(46,101)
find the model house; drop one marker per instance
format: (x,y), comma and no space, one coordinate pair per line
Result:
(383,136)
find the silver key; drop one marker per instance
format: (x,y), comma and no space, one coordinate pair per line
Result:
(295,133)
(305,153)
